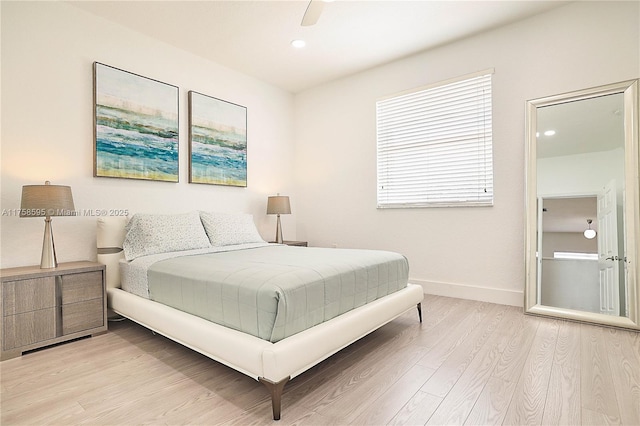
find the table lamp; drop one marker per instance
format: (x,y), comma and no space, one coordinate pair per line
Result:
(45,201)
(278,205)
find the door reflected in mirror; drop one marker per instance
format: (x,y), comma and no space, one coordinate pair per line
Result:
(578,232)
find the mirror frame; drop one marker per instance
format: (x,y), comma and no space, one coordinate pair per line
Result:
(629,89)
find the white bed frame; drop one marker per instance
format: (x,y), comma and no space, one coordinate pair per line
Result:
(272,364)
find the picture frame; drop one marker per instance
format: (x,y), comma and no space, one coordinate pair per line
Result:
(136,126)
(217,141)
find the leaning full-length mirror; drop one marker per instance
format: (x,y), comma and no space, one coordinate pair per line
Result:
(583,206)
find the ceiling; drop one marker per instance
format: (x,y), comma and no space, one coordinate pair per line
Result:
(588,125)
(253,37)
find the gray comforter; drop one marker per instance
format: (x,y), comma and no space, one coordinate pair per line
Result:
(276,291)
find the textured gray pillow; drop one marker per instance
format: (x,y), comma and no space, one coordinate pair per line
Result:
(226,229)
(161,233)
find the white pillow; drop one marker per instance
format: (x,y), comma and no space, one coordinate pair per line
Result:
(159,233)
(226,229)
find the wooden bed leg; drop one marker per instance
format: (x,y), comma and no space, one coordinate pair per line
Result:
(276,394)
(420,311)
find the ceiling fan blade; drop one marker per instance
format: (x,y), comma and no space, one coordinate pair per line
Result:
(312,14)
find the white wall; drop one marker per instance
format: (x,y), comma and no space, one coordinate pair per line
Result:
(567,241)
(570,284)
(476,253)
(47,127)
(582,174)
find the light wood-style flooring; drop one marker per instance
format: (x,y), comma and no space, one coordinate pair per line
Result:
(467,363)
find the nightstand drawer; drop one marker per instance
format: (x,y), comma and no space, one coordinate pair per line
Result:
(21,296)
(29,328)
(81,287)
(82,316)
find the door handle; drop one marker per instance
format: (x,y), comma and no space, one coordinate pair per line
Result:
(611,258)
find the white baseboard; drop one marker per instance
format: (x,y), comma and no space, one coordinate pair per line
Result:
(483,294)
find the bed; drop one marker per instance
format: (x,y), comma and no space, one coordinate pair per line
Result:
(272,362)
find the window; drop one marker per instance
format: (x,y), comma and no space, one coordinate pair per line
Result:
(573,255)
(435,145)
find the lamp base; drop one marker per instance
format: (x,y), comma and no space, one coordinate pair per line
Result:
(278,231)
(48,259)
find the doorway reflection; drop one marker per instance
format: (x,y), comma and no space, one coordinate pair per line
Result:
(570,277)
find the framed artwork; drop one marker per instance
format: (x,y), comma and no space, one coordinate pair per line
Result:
(217,141)
(135,126)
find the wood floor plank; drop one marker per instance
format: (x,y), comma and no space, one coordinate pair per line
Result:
(299,417)
(383,409)
(417,410)
(369,385)
(59,413)
(624,363)
(446,343)
(593,418)
(513,357)
(563,403)
(635,341)
(34,370)
(433,333)
(383,348)
(492,404)
(63,384)
(446,376)
(438,308)
(527,405)
(597,386)
(458,403)
(495,365)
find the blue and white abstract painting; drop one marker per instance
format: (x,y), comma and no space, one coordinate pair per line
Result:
(136,126)
(218,141)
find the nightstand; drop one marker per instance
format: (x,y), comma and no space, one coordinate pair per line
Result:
(295,243)
(41,307)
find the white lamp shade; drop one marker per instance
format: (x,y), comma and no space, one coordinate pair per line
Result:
(589,234)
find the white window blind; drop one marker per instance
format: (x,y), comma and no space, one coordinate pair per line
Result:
(435,145)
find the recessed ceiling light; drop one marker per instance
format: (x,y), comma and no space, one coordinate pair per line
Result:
(550,133)
(298,43)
